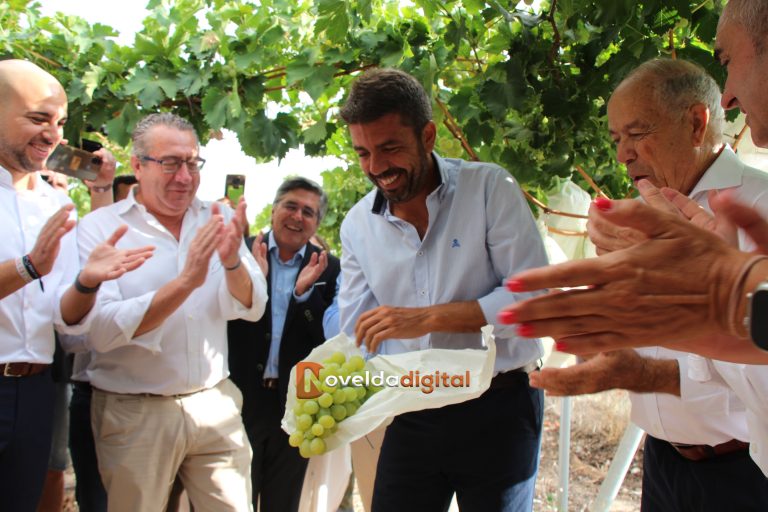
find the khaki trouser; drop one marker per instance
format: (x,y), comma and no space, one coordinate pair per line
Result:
(142,442)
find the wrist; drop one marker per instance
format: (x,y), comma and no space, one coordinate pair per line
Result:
(752,272)
(100,189)
(86,287)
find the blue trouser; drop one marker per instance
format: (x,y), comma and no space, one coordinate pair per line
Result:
(485,450)
(89,491)
(26,425)
(672,483)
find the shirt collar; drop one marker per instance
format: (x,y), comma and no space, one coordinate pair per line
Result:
(380,202)
(273,249)
(725,172)
(5,178)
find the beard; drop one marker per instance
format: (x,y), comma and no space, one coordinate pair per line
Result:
(415,180)
(17,158)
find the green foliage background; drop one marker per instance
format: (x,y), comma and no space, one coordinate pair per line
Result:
(521,86)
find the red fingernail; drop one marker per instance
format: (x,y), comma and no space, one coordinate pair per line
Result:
(603,204)
(515,285)
(507,317)
(561,347)
(525,330)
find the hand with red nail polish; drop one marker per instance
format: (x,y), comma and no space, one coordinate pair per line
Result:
(507,317)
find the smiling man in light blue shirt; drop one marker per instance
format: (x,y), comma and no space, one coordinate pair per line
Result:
(424,260)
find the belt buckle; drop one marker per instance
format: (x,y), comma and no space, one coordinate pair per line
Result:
(7,369)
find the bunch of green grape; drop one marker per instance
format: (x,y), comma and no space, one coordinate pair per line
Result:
(318,418)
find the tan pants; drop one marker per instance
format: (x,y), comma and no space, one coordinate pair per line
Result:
(143,442)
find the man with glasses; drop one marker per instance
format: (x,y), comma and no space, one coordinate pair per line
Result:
(302,284)
(162,402)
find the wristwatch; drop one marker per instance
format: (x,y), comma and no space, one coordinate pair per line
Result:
(756,320)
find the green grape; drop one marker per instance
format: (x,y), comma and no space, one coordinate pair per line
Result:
(351,408)
(298,408)
(325,400)
(317,446)
(339,412)
(357,362)
(350,393)
(342,372)
(311,407)
(318,429)
(328,389)
(305,450)
(304,422)
(348,367)
(372,390)
(296,438)
(324,411)
(338,358)
(339,397)
(361,393)
(331,367)
(309,435)
(327,422)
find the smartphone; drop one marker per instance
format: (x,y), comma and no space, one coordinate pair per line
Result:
(74,162)
(234,188)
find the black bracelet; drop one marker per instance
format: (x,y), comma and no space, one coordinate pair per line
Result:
(234,267)
(30,267)
(85,289)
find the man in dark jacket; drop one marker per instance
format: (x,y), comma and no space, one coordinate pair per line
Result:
(301,280)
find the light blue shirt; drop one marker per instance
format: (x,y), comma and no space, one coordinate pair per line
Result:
(481,230)
(282,277)
(331,326)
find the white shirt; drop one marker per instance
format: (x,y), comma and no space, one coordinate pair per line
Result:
(188,351)
(749,382)
(710,414)
(481,230)
(28,315)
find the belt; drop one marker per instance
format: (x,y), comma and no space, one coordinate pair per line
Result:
(148,395)
(512,377)
(698,452)
(270,383)
(23,369)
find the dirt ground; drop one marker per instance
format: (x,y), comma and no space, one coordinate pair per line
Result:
(598,422)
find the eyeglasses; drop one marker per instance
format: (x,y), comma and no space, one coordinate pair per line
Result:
(171,165)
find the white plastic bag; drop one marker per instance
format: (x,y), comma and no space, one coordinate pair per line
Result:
(475,366)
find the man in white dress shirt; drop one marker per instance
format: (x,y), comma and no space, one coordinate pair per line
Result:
(38,263)
(162,402)
(667,123)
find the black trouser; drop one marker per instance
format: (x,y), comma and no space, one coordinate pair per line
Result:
(485,450)
(277,469)
(672,483)
(26,426)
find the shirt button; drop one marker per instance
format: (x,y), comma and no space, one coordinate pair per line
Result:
(421,253)
(423,292)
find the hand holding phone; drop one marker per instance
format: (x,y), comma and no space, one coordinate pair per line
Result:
(234,188)
(74,162)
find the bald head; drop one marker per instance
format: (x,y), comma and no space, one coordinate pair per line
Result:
(32,116)
(21,77)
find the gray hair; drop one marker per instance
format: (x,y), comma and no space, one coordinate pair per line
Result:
(139,136)
(750,14)
(379,92)
(676,85)
(299,183)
